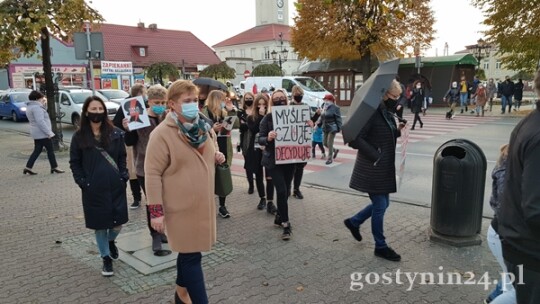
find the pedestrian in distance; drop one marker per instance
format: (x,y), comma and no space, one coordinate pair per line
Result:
(492,92)
(519,216)
(518,94)
(317,140)
(507,91)
(331,125)
(180,166)
(402,103)
(130,138)
(41,132)
(375,172)
(452,97)
(463,94)
(481,98)
(217,109)
(254,155)
(98,163)
(417,102)
(298,94)
(506,294)
(156,103)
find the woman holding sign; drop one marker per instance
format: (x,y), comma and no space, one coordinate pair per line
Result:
(282,174)
(222,113)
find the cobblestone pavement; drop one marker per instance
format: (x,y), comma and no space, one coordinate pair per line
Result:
(48,256)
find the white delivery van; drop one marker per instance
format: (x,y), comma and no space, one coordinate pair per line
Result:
(313,91)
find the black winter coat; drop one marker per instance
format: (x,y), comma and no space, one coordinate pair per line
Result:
(103,188)
(252,155)
(519,215)
(518,91)
(375,171)
(417,100)
(269,152)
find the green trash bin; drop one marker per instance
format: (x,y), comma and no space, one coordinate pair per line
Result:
(457,199)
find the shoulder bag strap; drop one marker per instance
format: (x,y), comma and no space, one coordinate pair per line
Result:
(109,159)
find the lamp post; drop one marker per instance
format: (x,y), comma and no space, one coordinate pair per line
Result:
(481,50)
(276,56)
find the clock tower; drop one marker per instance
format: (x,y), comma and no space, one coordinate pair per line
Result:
(272,11)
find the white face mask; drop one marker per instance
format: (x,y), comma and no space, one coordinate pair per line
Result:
(419,86)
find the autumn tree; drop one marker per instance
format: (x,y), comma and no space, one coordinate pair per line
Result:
(24,23)
(271,69)
(361,29)
(162,69)
(514,28)
(218,71)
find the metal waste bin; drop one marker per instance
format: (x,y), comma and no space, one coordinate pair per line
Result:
(457,199)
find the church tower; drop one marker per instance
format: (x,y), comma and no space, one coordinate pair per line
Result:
(272,11)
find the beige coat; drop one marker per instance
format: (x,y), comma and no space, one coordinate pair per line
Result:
(180,178)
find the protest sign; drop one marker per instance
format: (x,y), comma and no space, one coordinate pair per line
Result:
(135,112)
(293,140)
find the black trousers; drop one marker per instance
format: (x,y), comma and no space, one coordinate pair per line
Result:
(528,291)
(298,174)
(282,176)
(417,118)
(38,147)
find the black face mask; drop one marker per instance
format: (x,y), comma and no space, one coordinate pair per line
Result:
(248,102)
(391,104)
(97,117)
(298,98)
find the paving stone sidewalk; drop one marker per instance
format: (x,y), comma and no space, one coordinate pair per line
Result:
(48,256)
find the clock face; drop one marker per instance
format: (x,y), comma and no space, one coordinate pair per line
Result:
(280,3)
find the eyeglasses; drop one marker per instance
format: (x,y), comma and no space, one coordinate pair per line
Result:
(279,99)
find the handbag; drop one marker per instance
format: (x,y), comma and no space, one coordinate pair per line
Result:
(223,180)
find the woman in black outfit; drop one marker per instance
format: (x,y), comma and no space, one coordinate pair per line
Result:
(282,174)
(253,154)
(417,103)
(243,112)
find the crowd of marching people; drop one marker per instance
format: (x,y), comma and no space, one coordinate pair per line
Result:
(189,134)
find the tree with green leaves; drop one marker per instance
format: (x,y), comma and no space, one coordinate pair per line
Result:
(358,29)
(27,22)
(271,69)
(514,28)
(160,70)
(218,71)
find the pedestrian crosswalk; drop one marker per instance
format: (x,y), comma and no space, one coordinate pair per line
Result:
(434,125)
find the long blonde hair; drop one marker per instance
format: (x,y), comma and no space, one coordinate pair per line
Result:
(213,104)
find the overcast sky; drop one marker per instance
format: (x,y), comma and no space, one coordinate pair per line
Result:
(457,22)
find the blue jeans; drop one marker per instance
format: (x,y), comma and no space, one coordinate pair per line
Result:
(375,210)
(463,99)
(103,236)
(506,101)
(501,294)
(189,274)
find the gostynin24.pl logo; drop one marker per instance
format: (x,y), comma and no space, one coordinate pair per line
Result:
(410,279)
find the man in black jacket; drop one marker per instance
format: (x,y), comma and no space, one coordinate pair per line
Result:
(507,91)
(519,222)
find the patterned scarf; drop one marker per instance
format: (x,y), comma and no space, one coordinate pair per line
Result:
(196,132)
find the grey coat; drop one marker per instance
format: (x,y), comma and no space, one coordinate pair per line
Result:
(40,123)
(375,171)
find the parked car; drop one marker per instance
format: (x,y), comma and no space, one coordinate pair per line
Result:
(114,95)
(13,104)
(72,100)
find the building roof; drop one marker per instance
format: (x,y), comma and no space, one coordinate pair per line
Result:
(441,60)
(259,33)
(122,43)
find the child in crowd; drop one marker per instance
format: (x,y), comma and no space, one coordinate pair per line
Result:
(317,140)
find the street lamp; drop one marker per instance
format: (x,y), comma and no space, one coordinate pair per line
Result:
(481,50)
(277,56)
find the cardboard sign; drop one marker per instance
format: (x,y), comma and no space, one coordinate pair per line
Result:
(228,122)
(135,112)
(293,140)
